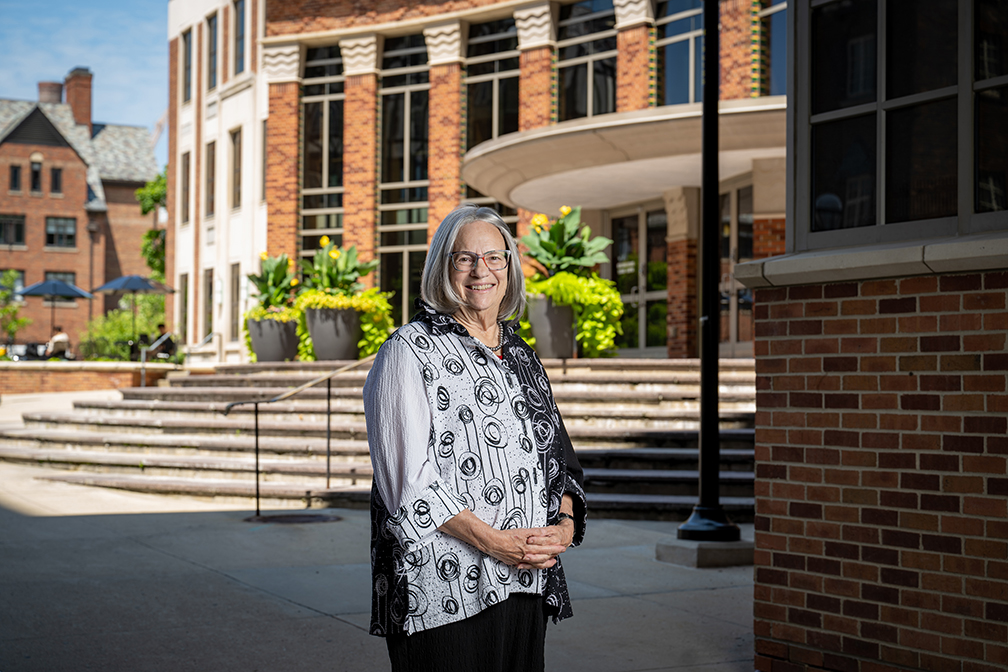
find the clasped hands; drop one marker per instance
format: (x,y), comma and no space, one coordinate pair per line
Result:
(533,548)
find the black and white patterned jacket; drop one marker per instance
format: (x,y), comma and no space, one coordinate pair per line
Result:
(451,426)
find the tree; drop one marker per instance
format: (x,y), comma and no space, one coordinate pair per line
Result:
(152,196)
(10,323)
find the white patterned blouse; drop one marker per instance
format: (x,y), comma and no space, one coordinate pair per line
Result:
(450,427)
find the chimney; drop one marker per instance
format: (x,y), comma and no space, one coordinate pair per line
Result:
(50,92)
(78,95)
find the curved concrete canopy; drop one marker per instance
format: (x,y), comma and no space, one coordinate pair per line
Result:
(617,159)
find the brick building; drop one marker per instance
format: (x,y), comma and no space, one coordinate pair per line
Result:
(369,126)
(67,209)
(881,334)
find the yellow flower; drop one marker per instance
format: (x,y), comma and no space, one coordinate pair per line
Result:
(324,240)
(290,263)
(263,256)
(539,221)
(334,253)
(565,210)
(294,282)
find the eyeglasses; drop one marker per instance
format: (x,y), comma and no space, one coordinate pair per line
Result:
(495,260)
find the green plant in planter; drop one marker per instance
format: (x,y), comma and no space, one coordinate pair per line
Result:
(373,306)
(565,245)
(333,268)
(275,286)
(567,255)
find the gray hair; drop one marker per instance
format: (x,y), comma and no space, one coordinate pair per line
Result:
(435,285)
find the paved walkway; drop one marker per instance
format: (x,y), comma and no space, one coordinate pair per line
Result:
(96,579)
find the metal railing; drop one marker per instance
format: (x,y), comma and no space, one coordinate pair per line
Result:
(287,395)
(143,356)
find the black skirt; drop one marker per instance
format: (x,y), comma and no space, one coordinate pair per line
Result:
(507,637)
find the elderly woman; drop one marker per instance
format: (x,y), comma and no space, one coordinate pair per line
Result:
(477,489)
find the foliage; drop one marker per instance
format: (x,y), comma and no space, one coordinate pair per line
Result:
(334,268)
(278,313)
(597,308)
(10,323)
(154,194)
(565,245)
(373,305)
(152,249)
(275,283)
(115,328)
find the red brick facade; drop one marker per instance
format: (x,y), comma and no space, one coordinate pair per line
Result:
(881,489)
(634,75)
(309,16)
(38,377)
(282,169)
(445,144)
(768,237)
(360,165)
(682,304)
(737,18)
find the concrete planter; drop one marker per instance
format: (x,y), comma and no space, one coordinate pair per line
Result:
(553,328)
(273,341)
(334,332)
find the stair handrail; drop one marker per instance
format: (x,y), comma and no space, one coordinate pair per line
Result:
(327,378)
(143,356)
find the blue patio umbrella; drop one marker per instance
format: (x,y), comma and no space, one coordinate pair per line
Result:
(53,289)
(134,284)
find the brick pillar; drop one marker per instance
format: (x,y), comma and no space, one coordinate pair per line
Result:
(282,136)
(360,165)
(536,108)
(682,206)
(738,23)
(768,236)
(445,144)
(170,182)
(634,76)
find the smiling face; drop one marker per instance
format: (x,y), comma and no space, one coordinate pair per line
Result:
(481,289)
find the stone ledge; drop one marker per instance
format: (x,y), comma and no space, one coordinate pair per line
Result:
(706,554)
(964,254)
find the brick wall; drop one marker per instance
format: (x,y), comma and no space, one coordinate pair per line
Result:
(445,144)
(536,107)
(682,292)
(881,489)
(737,18)
(768,237)
(634,76)
(283,137)
(309,16)
(360,165)
(34,378)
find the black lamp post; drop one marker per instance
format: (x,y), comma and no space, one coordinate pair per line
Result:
(708,521)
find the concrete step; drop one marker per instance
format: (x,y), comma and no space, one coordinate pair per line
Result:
(311,472)
(663,482)
(663,507)
(182,444)
(355,497)
(662,458)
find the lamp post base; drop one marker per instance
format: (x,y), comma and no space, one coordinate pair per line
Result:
(709,524)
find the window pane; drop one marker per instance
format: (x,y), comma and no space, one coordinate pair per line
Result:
(56,181)
(207,301)
(406,216)
(392,281)
(327,221)
(604,87)
(507,102)
(774,45)
(412,237)
(657,256)
(843,174)
(675,6)
(627,255)
(418,135)
(921,156)
(574,92)
(992,150)
(843,54)
(657,324)
(15,178)
(416,264)
(235,300)
(36,177)
(393,138)
(921,46)
(745,226)
(211,172)
(990,39)
(312,145)
(480,113)
(239,47)
(698,69)
(12,230)
(673,73)
(186,66)
(183,323)
(236,163)
(335,143)
(724,210)
(212,52)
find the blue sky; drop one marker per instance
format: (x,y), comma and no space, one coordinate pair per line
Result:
(123,42)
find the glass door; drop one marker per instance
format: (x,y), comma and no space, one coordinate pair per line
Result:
(640,269)
(736,299)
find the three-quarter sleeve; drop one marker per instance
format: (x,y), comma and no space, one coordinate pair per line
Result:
(398,417)
(574,484)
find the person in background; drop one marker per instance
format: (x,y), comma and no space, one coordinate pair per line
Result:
(59,343)
(167,347)
(476,490)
